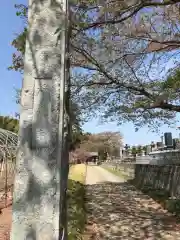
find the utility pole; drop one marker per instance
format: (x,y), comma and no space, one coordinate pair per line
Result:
(39,188)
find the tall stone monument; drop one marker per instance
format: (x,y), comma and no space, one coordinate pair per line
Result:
(148,149)
(121,153)
(39,187)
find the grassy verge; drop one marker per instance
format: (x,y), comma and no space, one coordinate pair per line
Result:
(117,173)
(76,205)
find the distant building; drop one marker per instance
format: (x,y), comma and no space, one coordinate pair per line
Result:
(92,157)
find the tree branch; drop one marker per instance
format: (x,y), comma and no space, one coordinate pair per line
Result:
(165,106)
(101,69)
(131,14)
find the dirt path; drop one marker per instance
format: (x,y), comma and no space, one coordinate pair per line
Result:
(117,210)
(5,217)
(96,174)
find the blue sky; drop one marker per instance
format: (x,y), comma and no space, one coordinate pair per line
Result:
(10,24)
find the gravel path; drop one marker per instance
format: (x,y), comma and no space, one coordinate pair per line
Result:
(117,210)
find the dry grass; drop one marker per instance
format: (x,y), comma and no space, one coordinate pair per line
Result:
(78,173)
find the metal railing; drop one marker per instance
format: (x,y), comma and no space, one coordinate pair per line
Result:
(127,169)
(8,148)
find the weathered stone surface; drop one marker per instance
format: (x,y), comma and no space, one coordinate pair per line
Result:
(164,177)
(37,183)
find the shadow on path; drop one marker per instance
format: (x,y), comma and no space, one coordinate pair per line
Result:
(120,211)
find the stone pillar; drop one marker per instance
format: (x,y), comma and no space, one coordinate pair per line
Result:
(148,149)
(120,153)
(37,189)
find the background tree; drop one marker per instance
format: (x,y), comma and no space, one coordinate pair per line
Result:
(139,149)
(131,92)
(105,142)
(133,151)
(105,36)
(8,123)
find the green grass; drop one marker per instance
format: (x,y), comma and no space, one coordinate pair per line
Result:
(116,172)
(76,203)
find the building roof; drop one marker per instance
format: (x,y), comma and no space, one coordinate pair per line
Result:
(93,153)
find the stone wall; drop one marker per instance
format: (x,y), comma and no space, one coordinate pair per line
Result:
(159,177)
(165,177)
